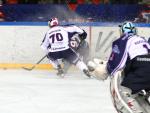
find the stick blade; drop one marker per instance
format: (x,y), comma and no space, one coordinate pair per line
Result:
(28,69)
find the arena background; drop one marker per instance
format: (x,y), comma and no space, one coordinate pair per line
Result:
(24,23)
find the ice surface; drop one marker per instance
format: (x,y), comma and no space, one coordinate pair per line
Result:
(39,91)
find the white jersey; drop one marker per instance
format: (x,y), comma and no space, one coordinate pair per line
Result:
(137,46)
(57,38)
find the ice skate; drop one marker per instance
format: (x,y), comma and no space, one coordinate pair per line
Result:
(86,72)
(60,72)
(145,95)
(148,97)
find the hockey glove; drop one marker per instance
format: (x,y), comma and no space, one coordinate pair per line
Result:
(83,36)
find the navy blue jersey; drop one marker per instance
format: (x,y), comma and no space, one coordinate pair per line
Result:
(128,46)
(118,51)
(131,54)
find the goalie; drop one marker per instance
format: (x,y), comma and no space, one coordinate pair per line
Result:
(130,53)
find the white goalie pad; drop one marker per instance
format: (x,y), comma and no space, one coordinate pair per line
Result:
(119,101)
(98,68)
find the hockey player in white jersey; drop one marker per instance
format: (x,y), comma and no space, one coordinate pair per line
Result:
(57,46)
(130,53)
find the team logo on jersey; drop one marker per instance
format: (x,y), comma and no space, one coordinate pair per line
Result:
(112,56)
(116,49)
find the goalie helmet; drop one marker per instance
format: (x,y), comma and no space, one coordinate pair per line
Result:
(127,27)
(53,22)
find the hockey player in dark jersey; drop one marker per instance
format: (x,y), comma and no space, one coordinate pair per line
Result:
(130,53)
(81,46)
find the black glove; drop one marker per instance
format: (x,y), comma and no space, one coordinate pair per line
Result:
(83,35)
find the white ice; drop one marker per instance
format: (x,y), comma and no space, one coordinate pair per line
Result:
(39,91)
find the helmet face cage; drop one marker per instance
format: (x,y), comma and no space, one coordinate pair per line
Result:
(53,22)
(127,27)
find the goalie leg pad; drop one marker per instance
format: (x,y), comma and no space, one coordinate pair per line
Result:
(123,100)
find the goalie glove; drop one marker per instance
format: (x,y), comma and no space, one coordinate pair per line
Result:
(98,68)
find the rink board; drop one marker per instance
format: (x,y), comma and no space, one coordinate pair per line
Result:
(20,42)
(18,66)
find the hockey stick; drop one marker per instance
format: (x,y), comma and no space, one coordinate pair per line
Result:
(29,69)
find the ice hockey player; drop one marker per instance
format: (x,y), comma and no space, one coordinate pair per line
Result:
(56,45)
(130,53)
(81,46)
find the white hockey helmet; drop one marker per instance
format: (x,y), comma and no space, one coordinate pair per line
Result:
(127,27)
(53,22)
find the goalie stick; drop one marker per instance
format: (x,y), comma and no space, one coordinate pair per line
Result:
(29,69)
